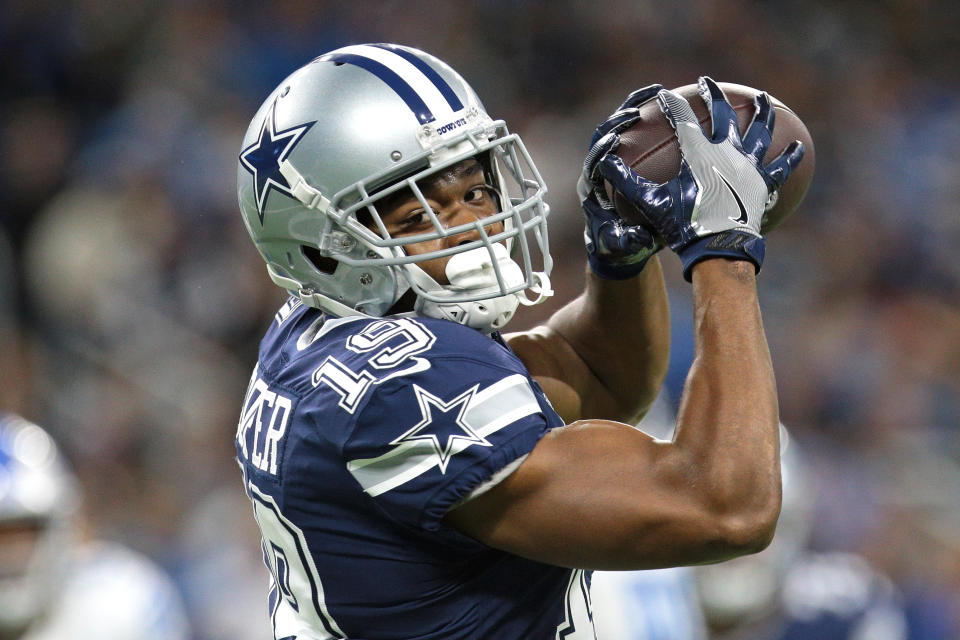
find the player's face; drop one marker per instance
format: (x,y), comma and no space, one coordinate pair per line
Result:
(458,195)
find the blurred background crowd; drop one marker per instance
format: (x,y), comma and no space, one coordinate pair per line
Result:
(133,300)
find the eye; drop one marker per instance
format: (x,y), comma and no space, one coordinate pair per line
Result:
(479,194)
(414,219)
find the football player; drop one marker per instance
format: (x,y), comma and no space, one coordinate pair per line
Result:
(54,585)
(414,472)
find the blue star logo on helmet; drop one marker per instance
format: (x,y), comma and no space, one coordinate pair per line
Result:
(262,159)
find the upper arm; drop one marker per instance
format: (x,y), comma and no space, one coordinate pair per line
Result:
(603,495)
(607,350)
(571,386)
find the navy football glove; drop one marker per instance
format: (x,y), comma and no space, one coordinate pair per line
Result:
(714,206)
(615,249)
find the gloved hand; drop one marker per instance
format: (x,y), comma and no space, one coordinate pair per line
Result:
(615,249)
(714,206)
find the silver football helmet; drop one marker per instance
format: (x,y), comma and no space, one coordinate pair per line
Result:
(38,497)
(357,125)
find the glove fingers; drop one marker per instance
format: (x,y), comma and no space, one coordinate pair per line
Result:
(760,132)
(640,96)
(676,109)
(615,250)
(617,238)
(624,179)
(597,213)
(627,113)
(722,116)
(602,147)
(589,182)
(779,170)
(653,201)
(617,122)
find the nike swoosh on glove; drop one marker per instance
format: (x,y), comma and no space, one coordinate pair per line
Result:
(713,208)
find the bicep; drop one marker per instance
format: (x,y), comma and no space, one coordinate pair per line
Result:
(594,494)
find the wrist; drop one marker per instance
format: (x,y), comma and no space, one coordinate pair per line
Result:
(733,245)
(713,268)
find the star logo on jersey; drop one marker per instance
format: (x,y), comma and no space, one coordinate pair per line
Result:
(448,434)
(262,159)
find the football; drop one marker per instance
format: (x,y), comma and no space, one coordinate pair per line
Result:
(650,147)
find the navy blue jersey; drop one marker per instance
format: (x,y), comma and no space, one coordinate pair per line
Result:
(357,435)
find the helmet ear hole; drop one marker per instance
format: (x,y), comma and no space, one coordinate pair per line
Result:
(324,264)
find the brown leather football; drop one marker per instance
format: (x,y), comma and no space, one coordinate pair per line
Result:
(650,147)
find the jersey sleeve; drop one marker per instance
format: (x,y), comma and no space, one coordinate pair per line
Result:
(425,440)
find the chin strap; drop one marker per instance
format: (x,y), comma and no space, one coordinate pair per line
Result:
(301,190)
(542,290)
(310,297)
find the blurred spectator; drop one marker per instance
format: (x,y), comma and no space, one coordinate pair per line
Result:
(55,584)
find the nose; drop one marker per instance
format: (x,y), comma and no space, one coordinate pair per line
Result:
(460,214)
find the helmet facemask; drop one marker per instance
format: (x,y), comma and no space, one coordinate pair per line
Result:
(489,276)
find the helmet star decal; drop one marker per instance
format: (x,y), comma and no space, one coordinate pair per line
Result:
(262,159)
(434,431)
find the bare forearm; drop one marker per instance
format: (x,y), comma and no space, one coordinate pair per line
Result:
(621,330)
(728,420)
